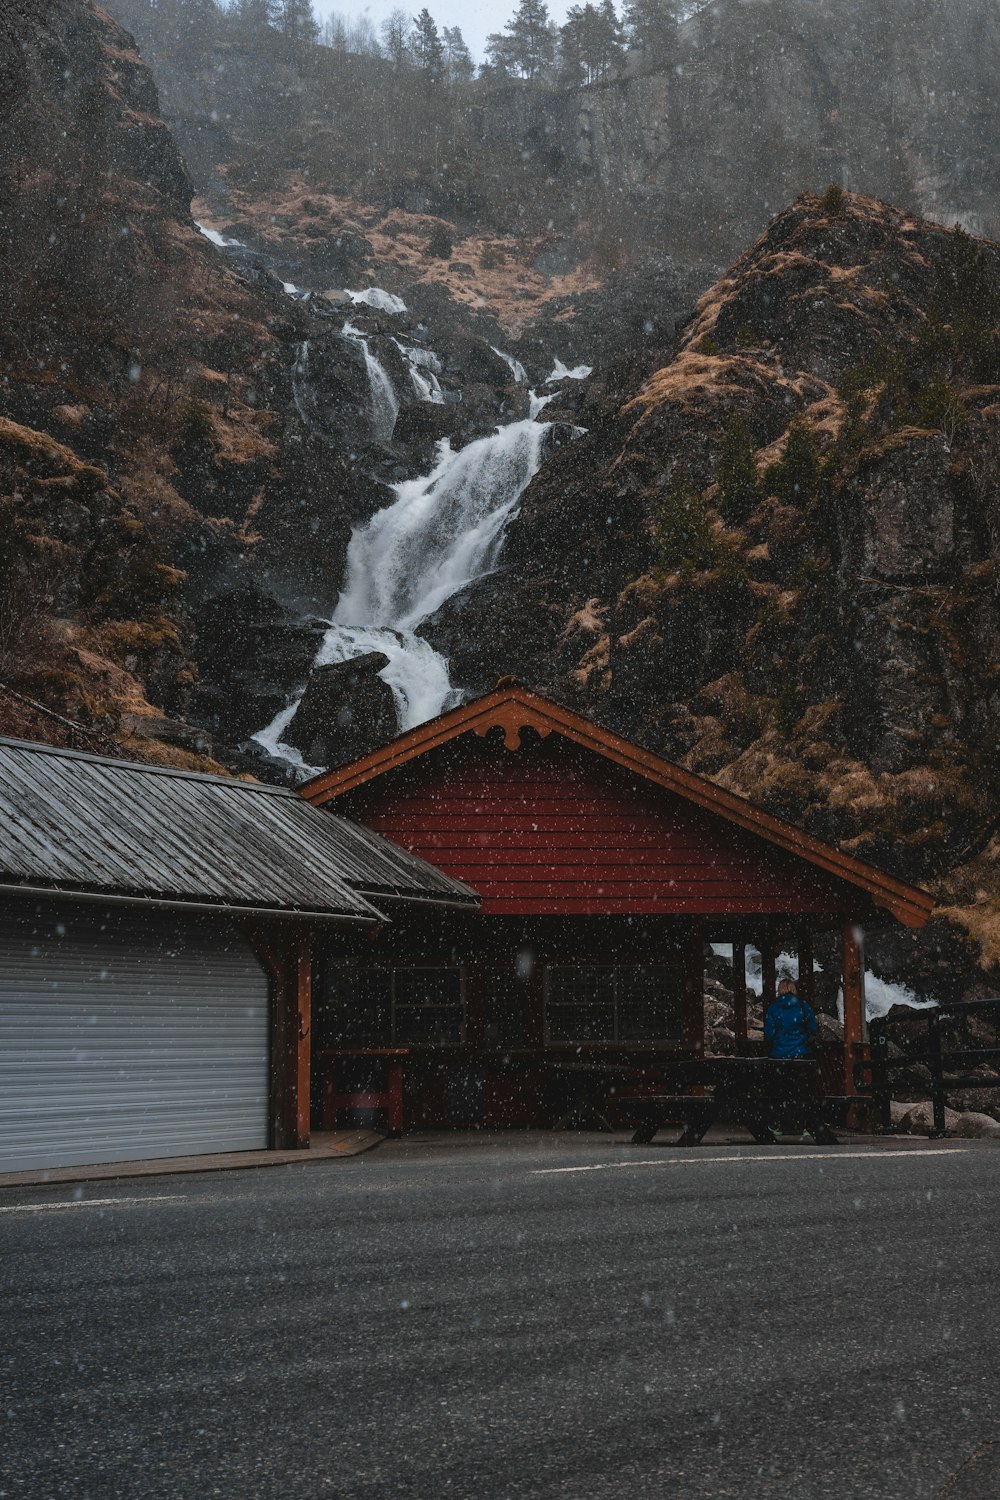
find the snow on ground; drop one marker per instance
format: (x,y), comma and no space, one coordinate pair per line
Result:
(374,296)
(561,372)
(218,239)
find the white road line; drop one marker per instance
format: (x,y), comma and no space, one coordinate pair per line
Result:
(711,1161)
(47,1208)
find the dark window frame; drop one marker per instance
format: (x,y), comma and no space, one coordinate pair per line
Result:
(674,966)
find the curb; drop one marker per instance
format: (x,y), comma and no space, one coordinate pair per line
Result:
(351,1143)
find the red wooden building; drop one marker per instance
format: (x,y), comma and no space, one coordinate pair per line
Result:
(603,871)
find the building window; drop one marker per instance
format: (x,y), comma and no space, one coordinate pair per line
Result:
(613,1002)
(382,1007)
(506,1002)
(428,1007)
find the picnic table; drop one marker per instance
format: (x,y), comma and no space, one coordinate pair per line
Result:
(751,1091)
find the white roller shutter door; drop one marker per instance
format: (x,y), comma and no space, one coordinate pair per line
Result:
(125,1036)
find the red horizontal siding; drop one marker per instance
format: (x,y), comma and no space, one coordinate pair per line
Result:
(552,830)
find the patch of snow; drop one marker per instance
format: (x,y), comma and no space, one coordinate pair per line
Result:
(561,372)
(218,239)
(374,296)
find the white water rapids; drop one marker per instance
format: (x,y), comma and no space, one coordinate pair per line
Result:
(440,533)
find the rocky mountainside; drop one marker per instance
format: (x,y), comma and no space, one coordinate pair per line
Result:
(190,422)
(777,562)
(760,535)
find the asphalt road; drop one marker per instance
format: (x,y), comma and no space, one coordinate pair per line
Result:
(496,1322)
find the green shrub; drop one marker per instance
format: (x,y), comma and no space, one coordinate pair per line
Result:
(681,530)
(940,405)
(440,244)
(833,201)
(797,475)
(739,483)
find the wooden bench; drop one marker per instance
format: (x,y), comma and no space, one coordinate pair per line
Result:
(696,1112)
(338,1095)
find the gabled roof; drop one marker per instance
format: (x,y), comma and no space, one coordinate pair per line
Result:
(513,709)
(73,824)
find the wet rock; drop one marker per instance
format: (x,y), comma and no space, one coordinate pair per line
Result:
(917,1119)
(347,710)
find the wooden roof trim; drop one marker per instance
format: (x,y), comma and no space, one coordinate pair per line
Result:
(515,708)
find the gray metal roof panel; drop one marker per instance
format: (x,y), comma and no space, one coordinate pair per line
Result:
(73,819)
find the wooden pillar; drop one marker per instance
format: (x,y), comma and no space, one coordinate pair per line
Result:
(768,974)
(694,988)
(740,995)
(855,1025)
(301,1038)
(288,963)
(807,977)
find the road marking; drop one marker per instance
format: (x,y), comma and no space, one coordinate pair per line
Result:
(711,1161)
(46,1208)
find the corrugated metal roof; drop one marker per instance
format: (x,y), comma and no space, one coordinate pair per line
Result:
(82,822)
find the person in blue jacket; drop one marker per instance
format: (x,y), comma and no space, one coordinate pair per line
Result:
(790,1024)
(790,1030)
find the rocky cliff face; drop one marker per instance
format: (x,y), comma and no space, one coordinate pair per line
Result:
(777,561)
(186,442)
(690,149)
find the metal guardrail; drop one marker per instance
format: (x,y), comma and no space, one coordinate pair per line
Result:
(945,1063)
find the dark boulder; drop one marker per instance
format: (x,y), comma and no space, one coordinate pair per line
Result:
(346,711)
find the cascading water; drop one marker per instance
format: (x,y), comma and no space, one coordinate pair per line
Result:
(385,403)
(441,533)
(425,367)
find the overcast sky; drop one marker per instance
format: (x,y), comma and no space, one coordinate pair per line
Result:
(477,18)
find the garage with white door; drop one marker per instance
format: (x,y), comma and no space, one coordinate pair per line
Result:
(156,950)
(124,1036)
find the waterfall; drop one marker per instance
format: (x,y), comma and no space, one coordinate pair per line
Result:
(425,367)
(514,366)
(385,403)
(441,533)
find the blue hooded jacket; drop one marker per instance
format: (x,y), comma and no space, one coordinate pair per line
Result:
(790,1026)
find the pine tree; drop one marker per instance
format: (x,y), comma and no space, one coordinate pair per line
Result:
(458,58)
(499,52)
(795,478)
(590,43)
(651,28)
(739,485)
(297,22)
(611,40)
(426,46)
(530,51)
(681,529)
(256,15)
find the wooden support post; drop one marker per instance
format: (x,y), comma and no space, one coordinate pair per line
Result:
(740,995)
(301,1030)
(694,988)
(855,1027)
(807,977)
(768,975)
